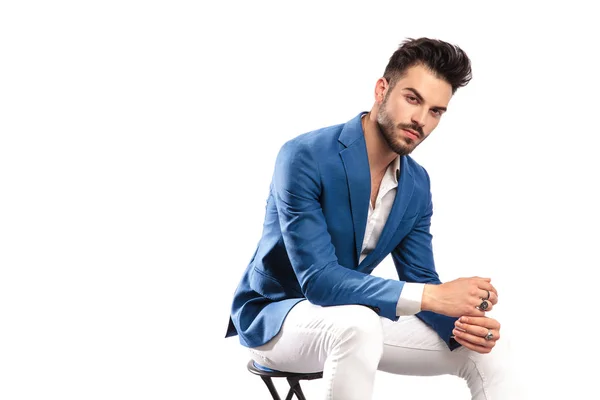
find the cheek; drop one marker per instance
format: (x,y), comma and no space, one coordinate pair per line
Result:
(399,112)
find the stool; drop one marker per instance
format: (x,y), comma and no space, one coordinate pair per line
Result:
(293,379)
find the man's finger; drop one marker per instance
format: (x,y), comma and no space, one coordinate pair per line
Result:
(487,307)
(476,335)
(475,312)
(478,331)
(486,285)
(493,297)
(473,339)
(488,323)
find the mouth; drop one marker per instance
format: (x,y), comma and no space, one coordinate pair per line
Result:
(411,134)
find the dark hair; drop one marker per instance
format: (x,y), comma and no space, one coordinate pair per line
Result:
(445,60)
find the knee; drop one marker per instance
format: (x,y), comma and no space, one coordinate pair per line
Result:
(361,331)
(490,367)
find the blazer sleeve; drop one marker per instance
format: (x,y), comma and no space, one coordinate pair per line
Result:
(414,262)
(297,188)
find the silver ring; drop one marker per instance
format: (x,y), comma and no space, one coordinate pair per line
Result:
(489,335)
(483,306)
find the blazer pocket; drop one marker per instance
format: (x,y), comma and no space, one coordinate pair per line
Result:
(266,286)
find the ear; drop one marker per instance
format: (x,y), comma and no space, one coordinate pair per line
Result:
(381,88)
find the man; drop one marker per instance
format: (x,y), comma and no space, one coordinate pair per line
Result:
(341,199)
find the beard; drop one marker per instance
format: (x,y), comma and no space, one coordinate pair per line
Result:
(402,146)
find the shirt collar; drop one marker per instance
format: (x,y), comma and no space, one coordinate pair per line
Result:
(395,167)
(390,178)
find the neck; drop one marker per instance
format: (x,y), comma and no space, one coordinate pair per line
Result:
(380,154)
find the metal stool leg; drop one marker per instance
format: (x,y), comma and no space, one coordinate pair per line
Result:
(267,380)
(295,388)
(299,394)
(290,394)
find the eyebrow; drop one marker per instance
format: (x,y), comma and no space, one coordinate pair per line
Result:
(418,96)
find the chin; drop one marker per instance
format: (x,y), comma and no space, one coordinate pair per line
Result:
(403,151)
(406,143)
(403,148)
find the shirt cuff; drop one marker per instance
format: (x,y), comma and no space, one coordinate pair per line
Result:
(409,302)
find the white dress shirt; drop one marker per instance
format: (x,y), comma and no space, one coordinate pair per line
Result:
(409,302)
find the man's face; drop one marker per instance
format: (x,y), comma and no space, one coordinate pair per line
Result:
(412,109)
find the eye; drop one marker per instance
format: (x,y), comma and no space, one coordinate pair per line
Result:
(437,113)
(412,99)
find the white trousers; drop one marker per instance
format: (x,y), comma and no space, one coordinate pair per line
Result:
(350,343)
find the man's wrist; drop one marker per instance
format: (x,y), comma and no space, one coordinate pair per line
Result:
(427,301)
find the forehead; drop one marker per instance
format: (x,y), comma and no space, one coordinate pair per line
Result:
(434,90)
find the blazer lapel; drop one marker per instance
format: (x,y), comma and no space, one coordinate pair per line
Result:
(404,193)
(356,164)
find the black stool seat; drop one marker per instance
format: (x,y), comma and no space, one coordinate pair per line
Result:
(293,379)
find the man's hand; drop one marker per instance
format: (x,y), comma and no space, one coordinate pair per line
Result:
(459,297)
(471,332)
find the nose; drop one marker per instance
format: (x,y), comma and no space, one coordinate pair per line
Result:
(419,117)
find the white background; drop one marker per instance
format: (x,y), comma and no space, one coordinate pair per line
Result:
(137,141)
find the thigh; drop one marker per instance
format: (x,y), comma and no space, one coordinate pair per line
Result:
(411,347)
(310,332)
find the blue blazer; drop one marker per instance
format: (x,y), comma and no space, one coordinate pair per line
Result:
(313,231)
